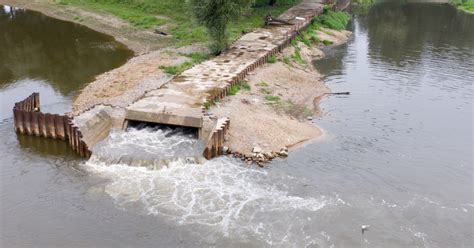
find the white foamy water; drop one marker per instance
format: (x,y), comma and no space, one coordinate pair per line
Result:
(148,147)
(221,198)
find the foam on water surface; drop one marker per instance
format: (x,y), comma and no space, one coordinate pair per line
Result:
(222,196)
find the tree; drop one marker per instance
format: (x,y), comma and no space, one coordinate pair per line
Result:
(215,16)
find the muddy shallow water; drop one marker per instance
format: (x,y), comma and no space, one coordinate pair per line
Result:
(397,154)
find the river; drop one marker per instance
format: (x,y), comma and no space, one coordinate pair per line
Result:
(397,155)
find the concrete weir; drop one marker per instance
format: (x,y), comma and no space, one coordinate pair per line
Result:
(181,101)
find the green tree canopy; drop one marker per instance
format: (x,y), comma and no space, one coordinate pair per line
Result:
(215,15)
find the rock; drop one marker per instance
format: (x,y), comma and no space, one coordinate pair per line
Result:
(268,155)
(284,149)
(157,31)
(310,118)
(260,164)
(245,101)
(225,149)
(257,149)
(249,162)
(283,153)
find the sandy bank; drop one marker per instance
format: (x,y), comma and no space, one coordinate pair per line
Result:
(278,109)
(124,85)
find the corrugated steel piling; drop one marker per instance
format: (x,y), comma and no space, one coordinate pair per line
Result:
(29,120)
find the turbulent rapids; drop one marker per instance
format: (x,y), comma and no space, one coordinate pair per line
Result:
(150,147)
(221,196)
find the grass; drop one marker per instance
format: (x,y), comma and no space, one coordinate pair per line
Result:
(333,20)
(272,59)
(297,56)
(467,5)
(365,2)
(234,89)
(177,69)
(294,109)
(262,84)
(286,60)
(330,19)
(308,36)
(272,99)
(177,18)
(246,86)
(327,42)
(265,91)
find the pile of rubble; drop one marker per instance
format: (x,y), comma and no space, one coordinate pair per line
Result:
(257,156)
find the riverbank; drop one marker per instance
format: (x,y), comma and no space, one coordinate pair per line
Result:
(278,101)
(274,111)
(146,26)
(138,40)
(466,5)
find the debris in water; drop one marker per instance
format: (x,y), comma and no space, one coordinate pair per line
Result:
(364,228)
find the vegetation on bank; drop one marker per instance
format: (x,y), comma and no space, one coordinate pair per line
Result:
(195,58)
(364,2)
(467,5)
(329,19)
(176,16)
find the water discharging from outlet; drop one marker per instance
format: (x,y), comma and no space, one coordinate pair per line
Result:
(151,147)
(221,199)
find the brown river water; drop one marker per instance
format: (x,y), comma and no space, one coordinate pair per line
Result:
(397,153)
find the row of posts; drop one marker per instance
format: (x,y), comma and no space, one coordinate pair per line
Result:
(216,140)
(29,120)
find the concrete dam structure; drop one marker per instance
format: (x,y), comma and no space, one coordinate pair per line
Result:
(184,100)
